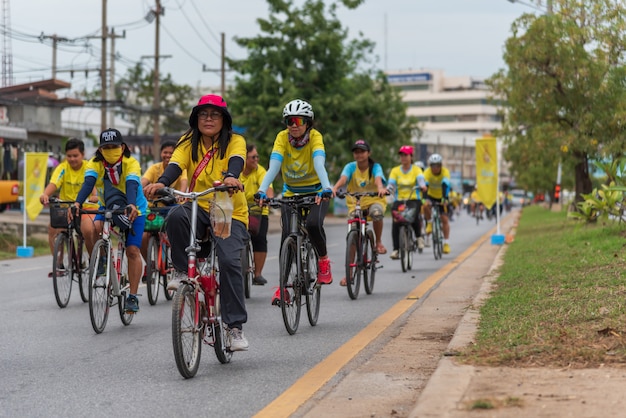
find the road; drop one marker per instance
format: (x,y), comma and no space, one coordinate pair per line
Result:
(54,365)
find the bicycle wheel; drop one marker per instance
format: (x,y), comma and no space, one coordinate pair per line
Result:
(186,332)
(153,275)
(165,255)
(62,269)
(370,260)
(82,269)
(405,248)
(247,268)
(354,265)
(99,287)
(313,290)
(222,351)
(290,289)
(126,317)
(437,241)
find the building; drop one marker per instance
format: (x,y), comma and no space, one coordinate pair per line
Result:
(453,112)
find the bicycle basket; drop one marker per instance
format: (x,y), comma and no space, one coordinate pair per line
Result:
(404,214)
(58,214)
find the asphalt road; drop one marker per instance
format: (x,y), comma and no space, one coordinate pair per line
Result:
(53,364)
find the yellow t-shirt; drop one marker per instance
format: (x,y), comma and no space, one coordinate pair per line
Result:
(251,184)
(214,171)
(360,181)
(435,182)
(299,175)
(405,182)
(156,170)
(69,181)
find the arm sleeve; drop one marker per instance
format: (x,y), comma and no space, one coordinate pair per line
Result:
(235,166)
(171,173)
(86,189)
(320,169)
(272,171)
(131,192)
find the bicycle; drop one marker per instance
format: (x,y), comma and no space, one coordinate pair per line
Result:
(159,259)
(298,265)
(361,255)
(437,230)
(70,262)
(196,315)
(108,272)
(247,266)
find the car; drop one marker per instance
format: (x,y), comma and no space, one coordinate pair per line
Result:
(9,193)
(519,198)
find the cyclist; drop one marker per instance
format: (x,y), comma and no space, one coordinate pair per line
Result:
(365,175)
(438,183)
(209,151)
(299,153)
(67,178)
(116,175)
(152,175)
(476,205)
(251,177)
(403,180)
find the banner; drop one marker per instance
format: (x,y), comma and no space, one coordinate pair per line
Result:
(34,182)
(487,170)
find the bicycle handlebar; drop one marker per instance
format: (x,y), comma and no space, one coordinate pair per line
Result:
(296,200)
(343,195)
(168,191)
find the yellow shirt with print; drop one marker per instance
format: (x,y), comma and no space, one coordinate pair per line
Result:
(297,165)
(156,170)
(69,181)
(361,182)
(435,182)
(405,182)
(251,184)
(214,171)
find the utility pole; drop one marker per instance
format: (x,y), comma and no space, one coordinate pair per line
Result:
(103,69)
(55,40)
(156,141)
(222,69)
(113,36)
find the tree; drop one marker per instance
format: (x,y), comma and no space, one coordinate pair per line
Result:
(564,89)
(305,53)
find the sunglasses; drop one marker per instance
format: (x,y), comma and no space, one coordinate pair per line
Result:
(214,115)
(297,120)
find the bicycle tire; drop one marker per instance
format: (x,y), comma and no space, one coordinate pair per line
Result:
(82,269)
(412,245)
(126,317)
(62,270)
(247,268)
(222,340)
(404,247)
(153,275)
(354,264)
(437,241)
(314,289)
(99,289)
(370,257)
(290,288)
(166,258)
(186,332)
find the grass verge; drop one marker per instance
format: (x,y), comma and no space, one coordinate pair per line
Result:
(9,244)
(560,299)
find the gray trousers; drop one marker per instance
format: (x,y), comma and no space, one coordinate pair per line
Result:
(228,253)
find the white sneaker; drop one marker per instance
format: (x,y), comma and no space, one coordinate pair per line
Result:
(394,255)
(177,276)
(238,341)
(420,243)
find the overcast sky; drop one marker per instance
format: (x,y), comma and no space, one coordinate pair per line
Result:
(461,37)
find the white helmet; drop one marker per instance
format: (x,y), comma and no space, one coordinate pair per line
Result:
(298,108)
(435,159)
(420,164)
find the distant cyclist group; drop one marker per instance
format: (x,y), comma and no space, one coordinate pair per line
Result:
(209,163)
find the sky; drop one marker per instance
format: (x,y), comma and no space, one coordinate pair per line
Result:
(460,37)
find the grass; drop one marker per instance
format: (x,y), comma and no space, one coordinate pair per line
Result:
(560,299)
(9,244)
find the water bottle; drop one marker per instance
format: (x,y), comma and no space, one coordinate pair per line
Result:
(221,213)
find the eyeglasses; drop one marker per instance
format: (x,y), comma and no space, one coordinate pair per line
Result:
(298,120)
(214,115)
(254,157)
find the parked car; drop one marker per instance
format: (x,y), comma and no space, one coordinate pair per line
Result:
(9,193)
(519,198)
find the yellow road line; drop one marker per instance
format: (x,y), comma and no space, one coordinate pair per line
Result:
(305,387)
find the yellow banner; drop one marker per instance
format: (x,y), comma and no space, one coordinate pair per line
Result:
(35,182)
(487,170)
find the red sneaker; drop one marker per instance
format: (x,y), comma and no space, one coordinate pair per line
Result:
(276,297)
(324,276)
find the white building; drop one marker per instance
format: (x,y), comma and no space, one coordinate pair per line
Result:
(453,112)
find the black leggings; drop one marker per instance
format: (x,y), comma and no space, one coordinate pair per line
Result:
(314,225)
(395,226)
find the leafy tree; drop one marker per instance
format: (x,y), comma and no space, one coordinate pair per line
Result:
(305,53)
(564,88)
